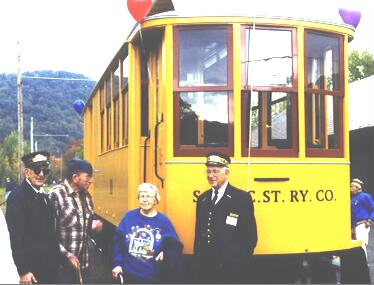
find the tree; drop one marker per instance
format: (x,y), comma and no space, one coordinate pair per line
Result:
(9,157)
(360,65)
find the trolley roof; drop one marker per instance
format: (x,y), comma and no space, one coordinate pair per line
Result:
(320,11)
(317,11)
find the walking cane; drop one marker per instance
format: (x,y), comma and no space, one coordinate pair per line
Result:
(79,272)
(120,277)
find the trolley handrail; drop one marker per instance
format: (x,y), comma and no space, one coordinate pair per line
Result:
(156,154)
(145,156)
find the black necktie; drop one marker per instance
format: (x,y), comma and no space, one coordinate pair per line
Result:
(215,197)
(41,197)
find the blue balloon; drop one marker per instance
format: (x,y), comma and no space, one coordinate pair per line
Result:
(350,17)
(78,106)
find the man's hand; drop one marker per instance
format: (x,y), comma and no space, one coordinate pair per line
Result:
(74,261)
(116,270)
(97,225)
(27,278)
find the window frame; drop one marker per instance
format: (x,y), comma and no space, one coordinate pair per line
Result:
(339,93)
(102,117)
(116,105)
(124,102)
(293,90)
(108,81)
(270,151)
(194,151)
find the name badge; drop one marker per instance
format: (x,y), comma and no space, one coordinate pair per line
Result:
(232,219)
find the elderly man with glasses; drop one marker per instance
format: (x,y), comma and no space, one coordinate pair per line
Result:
(30,220)
(225,230)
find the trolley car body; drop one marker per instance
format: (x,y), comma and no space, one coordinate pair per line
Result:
(181,87)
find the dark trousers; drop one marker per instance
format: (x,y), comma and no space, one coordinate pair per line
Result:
(69,275)
(215,270)
(46,276)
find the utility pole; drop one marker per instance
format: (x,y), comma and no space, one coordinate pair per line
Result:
(32,134)
(20,115)
(60,165)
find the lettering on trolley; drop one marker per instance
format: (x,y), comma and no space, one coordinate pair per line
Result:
(290,196)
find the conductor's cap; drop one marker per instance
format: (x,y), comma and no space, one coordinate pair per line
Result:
(218,160)
(36,158)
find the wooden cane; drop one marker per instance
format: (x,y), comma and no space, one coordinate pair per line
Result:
(79,272)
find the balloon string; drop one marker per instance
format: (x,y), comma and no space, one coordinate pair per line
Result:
(144,53)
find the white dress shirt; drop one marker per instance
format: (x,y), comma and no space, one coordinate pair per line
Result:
(221,191)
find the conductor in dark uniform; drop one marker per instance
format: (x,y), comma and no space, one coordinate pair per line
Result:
(31,224)
(225,231)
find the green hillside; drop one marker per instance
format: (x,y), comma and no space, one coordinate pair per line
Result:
(49,102)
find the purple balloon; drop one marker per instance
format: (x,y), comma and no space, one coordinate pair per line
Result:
(78,106)
(350,17)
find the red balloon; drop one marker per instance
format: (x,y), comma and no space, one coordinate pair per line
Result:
(139,8)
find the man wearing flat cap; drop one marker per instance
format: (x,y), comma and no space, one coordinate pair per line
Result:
(362,209)
(225,230)
(31,224)
(75,220)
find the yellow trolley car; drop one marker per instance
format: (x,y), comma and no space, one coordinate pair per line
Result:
(183,86)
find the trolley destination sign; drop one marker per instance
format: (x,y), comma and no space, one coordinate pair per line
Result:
(282,196)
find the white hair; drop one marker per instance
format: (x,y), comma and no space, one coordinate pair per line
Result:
(148,187)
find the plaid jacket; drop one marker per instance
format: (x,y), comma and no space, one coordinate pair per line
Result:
(72,227)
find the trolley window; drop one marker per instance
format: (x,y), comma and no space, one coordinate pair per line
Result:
(323,95)
(125,100)
(116,114)
(108,92)
(266,65)
(204,118)
(271,117)
(203,112)
(102,118)
(269,92)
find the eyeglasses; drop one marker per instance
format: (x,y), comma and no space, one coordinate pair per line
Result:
(214,171)
(144,196)
(38,169)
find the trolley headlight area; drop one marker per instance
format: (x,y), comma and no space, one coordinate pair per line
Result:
(271,93)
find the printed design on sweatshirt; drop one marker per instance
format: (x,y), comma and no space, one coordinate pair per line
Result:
(142,241)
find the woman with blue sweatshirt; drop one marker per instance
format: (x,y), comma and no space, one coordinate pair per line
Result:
(145,242)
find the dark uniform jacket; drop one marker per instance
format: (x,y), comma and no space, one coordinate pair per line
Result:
(225,237)
(32,233)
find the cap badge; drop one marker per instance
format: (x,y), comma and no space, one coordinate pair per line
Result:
(217,159)
(39,158)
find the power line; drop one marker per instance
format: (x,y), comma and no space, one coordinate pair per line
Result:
(48,135)
(57,78)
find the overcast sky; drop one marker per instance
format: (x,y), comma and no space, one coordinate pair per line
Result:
(82,36)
